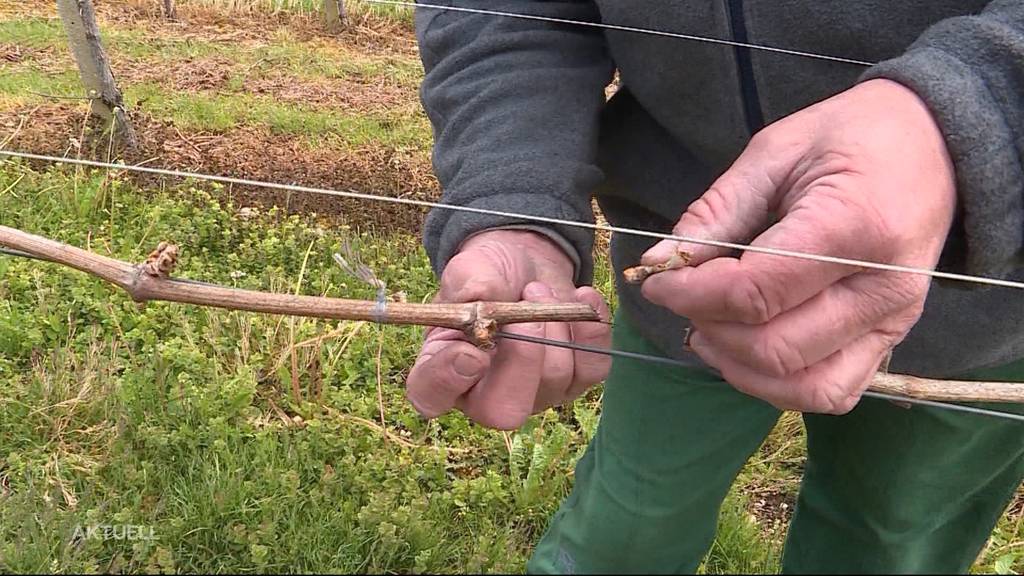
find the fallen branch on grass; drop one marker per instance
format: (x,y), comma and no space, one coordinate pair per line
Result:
(479,320)
(151,281)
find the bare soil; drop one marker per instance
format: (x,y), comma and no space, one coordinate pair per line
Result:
(773,507)
(250,153)
(55,127)
(373,34)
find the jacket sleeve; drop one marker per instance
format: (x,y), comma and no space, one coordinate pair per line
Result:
(514,105)
(970,72)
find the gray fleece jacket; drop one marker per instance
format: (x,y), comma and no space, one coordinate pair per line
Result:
(521,125)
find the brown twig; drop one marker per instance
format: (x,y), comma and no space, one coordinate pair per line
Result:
(151,281)
(637,274)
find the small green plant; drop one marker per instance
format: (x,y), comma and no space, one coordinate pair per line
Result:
(537,465)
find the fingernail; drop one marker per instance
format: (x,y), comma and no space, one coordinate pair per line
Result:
(537,290)
(660,252)
(467,365)
(687,334)
(694,340)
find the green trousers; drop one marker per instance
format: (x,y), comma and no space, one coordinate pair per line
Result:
(885,488)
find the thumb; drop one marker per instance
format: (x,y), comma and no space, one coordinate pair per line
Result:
(737,207)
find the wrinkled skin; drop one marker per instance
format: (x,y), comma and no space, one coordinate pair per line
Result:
(863,175)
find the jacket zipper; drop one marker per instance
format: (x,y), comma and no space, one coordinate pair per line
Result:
(748,85)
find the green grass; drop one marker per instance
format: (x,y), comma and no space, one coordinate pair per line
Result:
(223,112)
(161,416)
(230,107)
(20,85)
(35,33)
(355,8)
(164,416)
(283,51)
(740,546)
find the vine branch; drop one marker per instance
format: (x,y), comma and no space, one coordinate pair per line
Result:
(151,281)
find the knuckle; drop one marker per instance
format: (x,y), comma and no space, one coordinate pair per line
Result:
(893,292)
(909,289)
(591,372)
(453,271)
(890,302)
(487,270)
(843,406)
(865,226)
(913,313)
(748,302)
(558,373)
(832,396)
(763,138)
(898,301)
(712,207)
(837,162)
(776,356)
(500,419)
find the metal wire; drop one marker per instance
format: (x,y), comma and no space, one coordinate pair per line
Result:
(679,363)
(620,28)
(514,215)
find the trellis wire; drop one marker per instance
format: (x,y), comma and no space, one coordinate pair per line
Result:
(621,28)
(680,364)
(514,215)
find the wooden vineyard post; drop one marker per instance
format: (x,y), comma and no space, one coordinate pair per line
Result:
(79,19)
(170,12)
(334,15)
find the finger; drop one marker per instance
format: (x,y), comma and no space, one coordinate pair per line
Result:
(757,287)
(832,386)
(557,371)
(504,399)
(590,368)
(445,370)
(735,208)
(816,329)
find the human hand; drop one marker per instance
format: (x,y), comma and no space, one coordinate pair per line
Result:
(863,175)
(502,388)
